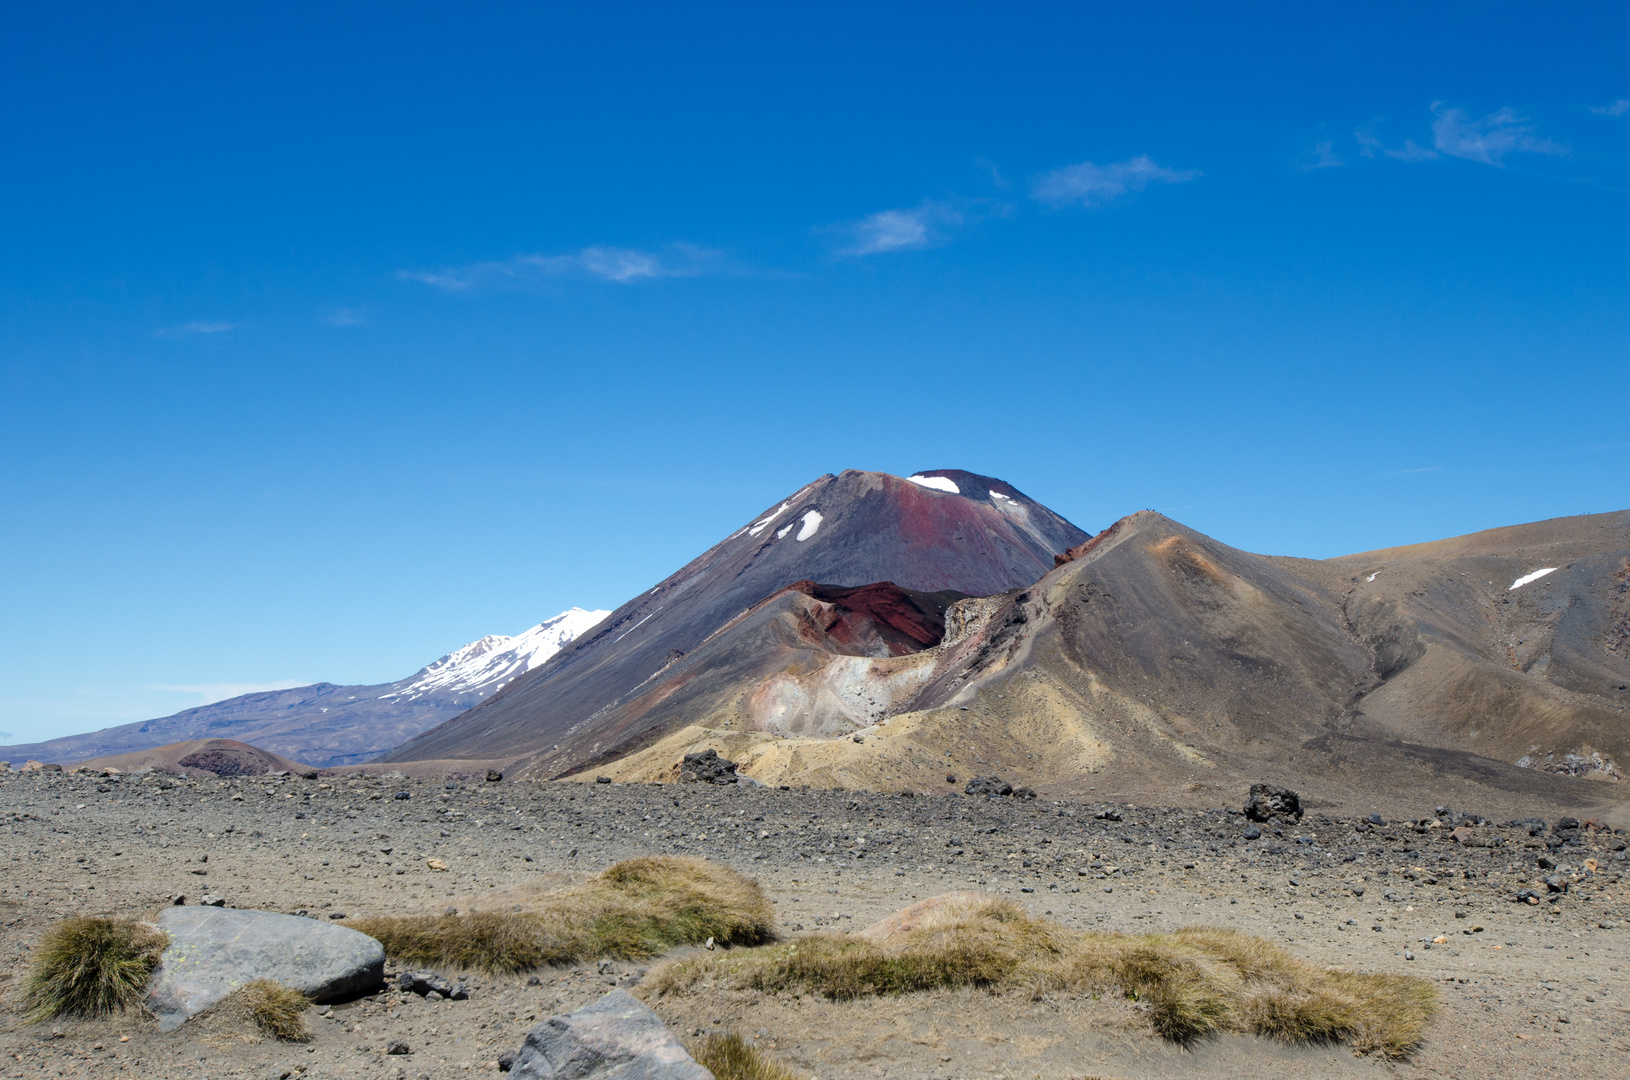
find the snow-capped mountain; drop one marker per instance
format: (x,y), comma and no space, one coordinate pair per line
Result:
(488,664)
(328,726)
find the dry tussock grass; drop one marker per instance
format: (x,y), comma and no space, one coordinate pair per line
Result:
(91,967)
(729,1057)
(1192,983)
(632,911)
(277,1010)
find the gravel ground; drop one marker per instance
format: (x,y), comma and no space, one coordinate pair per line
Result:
(1532,989)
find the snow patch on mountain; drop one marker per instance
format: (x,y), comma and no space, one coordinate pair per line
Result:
(488,664)
(937,483)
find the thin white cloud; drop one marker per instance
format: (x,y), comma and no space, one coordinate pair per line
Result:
(1321,155)
(901,230)
(195,328)
(1090,184)
(1406,472)
(1369,145)
(212,692)
(1411,152)
(1618,108)
(996,176)
(1489,139)
(342,316)
(621,265)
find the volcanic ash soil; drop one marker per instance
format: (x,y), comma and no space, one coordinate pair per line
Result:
(1526,989)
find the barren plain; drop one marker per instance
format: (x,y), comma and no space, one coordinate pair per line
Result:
(1531,989)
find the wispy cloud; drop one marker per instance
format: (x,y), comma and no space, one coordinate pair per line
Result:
(621,265)
(1489,139)
(1369,145)
(212,692)
(195,328)
(1406,472)
(1321,155)
(1618,108)
(1090,184)
(343,316)
(901,230)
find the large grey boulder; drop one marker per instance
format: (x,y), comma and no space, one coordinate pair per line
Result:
(213,951)
(616,1038)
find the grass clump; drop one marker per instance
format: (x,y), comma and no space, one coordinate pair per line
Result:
(632,911)
(730,1057)
(88,966)
(277,1010)
(1191,983)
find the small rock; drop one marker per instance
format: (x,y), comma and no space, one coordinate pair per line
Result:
(397,1046)
(506,1061)
(493,776)
(1375,819)
(427,984)
(989,786)
(1252,833)
(403,795)
(616,1037)
(597,780)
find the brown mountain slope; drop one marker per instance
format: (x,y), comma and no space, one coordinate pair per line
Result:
(1156,663)
(201,757)
(811,660)
(1539,673)
(942,530)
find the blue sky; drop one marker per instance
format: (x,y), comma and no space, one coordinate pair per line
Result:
(335,336)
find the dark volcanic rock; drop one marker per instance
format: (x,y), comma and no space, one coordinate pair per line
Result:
(1268,803)
(708,767)
(426,982)
(989,786)
(224,762)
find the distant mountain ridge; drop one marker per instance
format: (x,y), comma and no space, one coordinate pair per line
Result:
(329,726)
